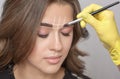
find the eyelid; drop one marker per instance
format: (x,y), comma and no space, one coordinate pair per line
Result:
(67,29)
(43,30)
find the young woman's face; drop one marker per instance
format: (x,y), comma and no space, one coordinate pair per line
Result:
(54,40)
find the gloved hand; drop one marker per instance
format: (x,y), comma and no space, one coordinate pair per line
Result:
(103,23)
(105,26)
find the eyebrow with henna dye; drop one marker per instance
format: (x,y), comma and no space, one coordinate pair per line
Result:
(46,24)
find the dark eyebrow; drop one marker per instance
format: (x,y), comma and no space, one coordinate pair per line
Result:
(46,24)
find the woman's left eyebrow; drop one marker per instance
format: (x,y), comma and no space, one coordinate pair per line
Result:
(46,24)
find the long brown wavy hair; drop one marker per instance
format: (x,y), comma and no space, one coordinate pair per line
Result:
(18,29)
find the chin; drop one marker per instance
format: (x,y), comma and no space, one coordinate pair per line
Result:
(52,70)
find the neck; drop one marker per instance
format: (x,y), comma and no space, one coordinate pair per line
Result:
(23,72)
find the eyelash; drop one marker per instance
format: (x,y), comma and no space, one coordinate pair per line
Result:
(45,36)
(66,34)
(42,36)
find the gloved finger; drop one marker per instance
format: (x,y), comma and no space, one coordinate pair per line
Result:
(88,18)
(83,23)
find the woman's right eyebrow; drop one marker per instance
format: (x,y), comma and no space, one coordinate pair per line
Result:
(46,24)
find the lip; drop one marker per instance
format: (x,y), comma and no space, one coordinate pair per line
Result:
(53,59)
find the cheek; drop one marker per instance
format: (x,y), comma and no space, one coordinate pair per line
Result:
(67,42)
(39,49)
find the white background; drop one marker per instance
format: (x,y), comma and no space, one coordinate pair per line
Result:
(98,64)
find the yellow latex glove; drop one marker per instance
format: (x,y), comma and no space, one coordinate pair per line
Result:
(104,25)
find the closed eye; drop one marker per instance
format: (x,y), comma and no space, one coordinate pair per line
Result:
(44,32)
(43,35)
(65,34)
(66,31)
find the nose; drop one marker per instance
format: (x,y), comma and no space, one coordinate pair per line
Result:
(56,43)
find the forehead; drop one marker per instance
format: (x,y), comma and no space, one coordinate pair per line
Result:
(58,12)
